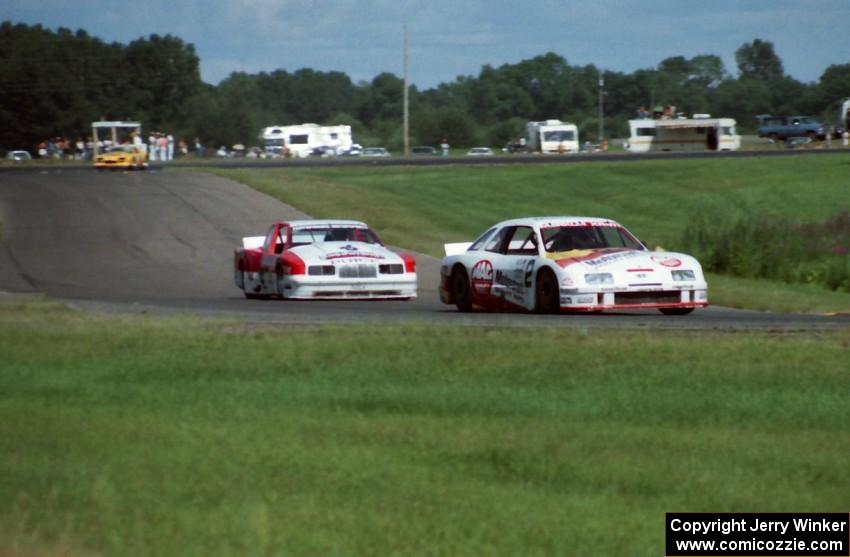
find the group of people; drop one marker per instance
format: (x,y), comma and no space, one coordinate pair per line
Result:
(60,147)
(658,113)
(159,147)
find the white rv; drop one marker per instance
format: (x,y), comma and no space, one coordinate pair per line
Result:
(844,117)
(302,139)
(552,137)
(700,133)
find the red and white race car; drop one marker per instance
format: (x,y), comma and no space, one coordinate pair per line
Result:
(322,259)
(550,264)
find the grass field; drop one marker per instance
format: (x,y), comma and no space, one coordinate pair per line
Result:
(152,436)
(423,208)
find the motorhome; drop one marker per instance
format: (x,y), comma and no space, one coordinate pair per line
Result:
(303,139)
(552,137)
(700,133)
(844,117)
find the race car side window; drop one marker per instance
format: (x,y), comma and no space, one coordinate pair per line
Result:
(269,242)
(280,239)
(523,242)
(479,243)
(497,242)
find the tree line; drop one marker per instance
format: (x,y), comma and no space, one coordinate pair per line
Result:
(55,83)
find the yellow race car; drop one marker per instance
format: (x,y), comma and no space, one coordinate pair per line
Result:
(126,157)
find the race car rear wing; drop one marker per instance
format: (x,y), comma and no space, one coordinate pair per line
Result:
(253,242)
(456,248)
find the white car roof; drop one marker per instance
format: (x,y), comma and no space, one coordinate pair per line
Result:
(330,222)
(549,222)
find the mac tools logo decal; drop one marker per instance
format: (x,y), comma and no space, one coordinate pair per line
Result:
(666,261)
(482,278)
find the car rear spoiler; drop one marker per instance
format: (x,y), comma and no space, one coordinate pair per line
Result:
(456,248)
(253,242)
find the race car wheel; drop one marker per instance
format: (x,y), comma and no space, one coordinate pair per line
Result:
(547,293)
(461,289)
(676,311)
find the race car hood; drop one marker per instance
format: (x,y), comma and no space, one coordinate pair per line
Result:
(624,261)
(331,252)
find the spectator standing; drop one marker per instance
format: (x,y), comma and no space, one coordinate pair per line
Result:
(170,147)
(445,147)
(152,146)
(163,147)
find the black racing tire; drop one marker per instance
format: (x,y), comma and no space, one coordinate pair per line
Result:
(461,289)
(547,296)
(676,311)
(250,295)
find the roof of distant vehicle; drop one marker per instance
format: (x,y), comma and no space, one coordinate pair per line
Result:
(18,155)
(547,222)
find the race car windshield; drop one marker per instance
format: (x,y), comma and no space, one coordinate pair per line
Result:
(568,238)
(316,235)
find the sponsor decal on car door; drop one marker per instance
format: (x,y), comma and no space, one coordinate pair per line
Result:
(514,280)
(481,280)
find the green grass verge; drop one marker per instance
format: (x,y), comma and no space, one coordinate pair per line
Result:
(769,295)
(423,208)
(145,436)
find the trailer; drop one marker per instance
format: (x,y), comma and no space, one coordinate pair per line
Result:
(700,133)
(552,137)
(302,140)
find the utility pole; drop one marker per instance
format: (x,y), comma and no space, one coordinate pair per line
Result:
(601,108)
(406,130)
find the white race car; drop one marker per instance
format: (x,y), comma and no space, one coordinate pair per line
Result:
(322,259)
(550,264)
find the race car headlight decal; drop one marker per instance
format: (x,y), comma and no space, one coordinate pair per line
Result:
(686,274)
(599,278)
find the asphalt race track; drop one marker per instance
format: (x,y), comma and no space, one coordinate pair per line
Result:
(163,242)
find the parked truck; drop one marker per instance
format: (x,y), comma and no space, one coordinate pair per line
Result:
(783,127)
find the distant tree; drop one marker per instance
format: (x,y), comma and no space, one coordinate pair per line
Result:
(757,60)
(742,99)
(430,126)
(834,85)
(382,100)
(706,70)
(163,74)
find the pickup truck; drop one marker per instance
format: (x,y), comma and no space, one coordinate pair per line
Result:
(783,127)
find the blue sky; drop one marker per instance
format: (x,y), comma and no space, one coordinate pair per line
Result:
(450,38)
